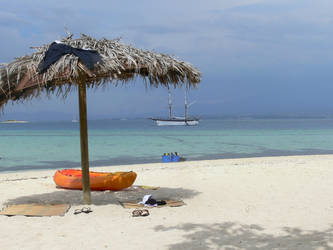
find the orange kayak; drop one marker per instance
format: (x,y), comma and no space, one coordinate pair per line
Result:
(72,179)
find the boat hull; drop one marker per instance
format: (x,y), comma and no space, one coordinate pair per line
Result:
(176,122)
(72,179)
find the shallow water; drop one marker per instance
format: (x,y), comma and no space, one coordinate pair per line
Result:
(51,145)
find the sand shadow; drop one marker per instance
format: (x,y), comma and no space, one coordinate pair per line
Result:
(231,235)
(134,193)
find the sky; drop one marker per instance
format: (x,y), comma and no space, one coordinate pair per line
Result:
(257,57)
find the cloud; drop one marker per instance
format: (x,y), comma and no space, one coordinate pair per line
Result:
(8,18)
(235,43)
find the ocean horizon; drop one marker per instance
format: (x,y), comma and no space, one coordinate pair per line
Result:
(56,144)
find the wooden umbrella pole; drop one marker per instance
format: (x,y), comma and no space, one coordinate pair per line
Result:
(84,143)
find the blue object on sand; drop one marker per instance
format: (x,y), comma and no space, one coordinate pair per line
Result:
(175,158)
(166,157)
(170,157)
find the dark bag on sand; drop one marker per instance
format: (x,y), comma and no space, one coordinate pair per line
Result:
(153,202)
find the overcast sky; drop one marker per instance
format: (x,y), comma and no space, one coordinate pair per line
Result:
(257,57)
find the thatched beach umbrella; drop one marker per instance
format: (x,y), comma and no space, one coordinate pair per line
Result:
(82,62)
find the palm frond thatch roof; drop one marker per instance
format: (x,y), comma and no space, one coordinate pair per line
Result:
(20,80)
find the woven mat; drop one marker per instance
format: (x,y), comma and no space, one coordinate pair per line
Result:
(36,210)
(169,203)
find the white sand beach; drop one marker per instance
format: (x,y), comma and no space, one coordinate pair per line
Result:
(252,203)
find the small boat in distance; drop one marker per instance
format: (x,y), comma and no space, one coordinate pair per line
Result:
(74,119)
(14,121)
(174,120)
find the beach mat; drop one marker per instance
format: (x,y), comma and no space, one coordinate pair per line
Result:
(169,203)
(36,209)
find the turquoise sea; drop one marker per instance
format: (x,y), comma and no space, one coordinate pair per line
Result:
(54,145)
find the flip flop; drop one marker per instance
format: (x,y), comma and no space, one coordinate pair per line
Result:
(140,212)
(144,212)
(85,210)
(136,213)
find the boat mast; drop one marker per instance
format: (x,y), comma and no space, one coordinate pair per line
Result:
(186,102)
(170,104)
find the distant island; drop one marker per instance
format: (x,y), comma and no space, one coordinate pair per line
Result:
(14,121)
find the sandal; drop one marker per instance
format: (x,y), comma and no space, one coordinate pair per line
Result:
(136,213)
(144,212)
(85,210)
(140,212)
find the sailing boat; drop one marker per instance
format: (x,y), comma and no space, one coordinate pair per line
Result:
(177,121)
(74,119)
